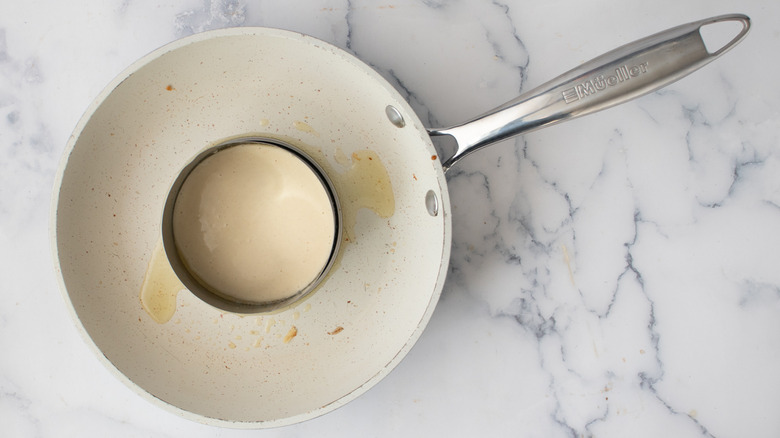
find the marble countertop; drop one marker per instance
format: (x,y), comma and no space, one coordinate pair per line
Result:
(617,275)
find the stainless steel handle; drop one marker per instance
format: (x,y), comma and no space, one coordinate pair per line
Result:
(615,77)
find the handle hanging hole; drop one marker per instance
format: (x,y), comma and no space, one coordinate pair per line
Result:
(722,34)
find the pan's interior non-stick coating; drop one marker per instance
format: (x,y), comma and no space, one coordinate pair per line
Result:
(266,369)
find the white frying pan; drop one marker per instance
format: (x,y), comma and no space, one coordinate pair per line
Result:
(272,369)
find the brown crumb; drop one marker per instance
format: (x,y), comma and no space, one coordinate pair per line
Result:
(336,331)
(169,87)
(434,157)
(290,334)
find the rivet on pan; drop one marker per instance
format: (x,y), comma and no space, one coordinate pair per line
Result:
(395,116)
(432,203)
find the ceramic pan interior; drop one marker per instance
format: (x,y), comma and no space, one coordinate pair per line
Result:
(222,368)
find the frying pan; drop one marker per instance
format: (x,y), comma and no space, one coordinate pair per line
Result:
(316,354)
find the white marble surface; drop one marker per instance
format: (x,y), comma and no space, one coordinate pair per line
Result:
(618,275)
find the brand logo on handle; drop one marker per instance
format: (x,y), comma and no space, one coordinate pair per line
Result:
(602,82)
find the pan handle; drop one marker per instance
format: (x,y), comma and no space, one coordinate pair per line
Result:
(615,77)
